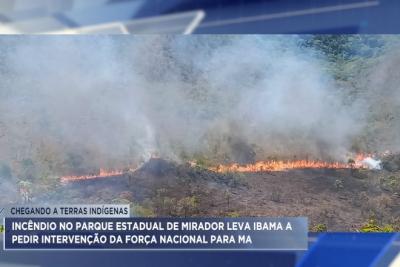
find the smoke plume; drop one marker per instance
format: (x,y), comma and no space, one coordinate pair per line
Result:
(73,104)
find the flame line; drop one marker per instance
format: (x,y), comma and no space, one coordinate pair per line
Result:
(260,166)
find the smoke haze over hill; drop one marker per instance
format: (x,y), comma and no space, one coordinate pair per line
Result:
(80,103)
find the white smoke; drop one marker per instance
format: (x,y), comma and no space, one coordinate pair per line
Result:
(371,163)
(76,103)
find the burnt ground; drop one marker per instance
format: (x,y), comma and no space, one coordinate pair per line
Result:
(341,199)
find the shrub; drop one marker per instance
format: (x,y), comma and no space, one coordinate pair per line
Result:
(373,226)
(187,206)
(320,227)
(141,211)
(276,196)
(338,184)
(202,162)
(236,179)
(391,182)
(232,214)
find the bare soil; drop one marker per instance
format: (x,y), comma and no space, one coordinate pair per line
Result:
(341,199)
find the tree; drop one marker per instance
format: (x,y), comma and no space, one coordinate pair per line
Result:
(188,205)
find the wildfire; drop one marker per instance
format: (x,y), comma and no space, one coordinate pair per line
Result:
(275,165)
(102,173)
(359,162)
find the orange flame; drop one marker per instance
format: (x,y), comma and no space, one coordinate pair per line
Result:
(279,165)
(102,173)
(273,165)
(261,166)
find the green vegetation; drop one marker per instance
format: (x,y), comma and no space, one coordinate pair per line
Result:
(202,162)
(136,209)
(120,201)
(346,47)
(318,228)
(232,214)
(391,182)
(373,226)
(141,211)
(236,179)
(187,206)
(164,204)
